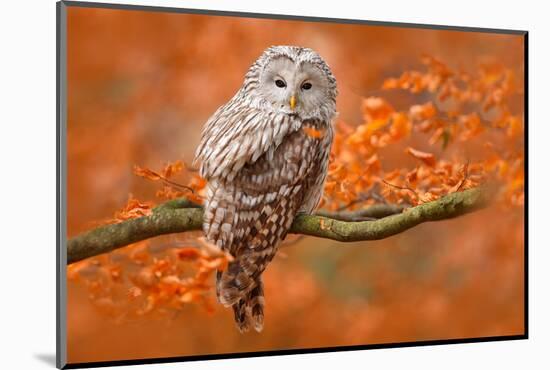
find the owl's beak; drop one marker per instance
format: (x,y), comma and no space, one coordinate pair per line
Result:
(292,102)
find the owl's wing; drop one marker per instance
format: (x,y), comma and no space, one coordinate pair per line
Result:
(235,136)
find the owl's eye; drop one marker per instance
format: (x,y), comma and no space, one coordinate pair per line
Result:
(306,86)
(280,83)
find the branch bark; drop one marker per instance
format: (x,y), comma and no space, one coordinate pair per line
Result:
(180,215)
(368,214)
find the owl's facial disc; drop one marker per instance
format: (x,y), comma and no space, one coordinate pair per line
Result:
(293,88)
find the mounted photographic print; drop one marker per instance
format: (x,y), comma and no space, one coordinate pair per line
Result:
(235,184)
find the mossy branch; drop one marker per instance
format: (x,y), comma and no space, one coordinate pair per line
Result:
(181,215)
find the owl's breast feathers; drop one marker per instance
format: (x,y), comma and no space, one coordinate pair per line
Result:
(256,178)
(258,181)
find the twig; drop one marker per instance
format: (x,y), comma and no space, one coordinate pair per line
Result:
(465,177)
(170,182)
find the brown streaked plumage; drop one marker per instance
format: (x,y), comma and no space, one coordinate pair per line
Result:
(264,166)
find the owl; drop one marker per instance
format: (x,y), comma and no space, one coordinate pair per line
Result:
(265,156)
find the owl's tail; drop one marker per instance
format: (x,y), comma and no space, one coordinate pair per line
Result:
(247,303)
(250,309)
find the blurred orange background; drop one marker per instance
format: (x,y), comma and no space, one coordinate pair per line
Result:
(141,85)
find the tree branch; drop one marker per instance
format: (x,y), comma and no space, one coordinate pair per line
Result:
(180,215)
(368,214)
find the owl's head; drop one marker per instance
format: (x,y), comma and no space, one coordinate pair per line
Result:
(293,80)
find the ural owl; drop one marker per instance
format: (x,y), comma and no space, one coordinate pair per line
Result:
(265,155)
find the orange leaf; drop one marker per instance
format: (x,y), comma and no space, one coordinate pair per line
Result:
(212,249)
(412,177)
(401,126)
(134,292)
(373,164)
(515,127)
(197,182)
(329,186)
(463,177)
(188,253)
(427,158)
(147,173)
(169,192)
(376,125)
(422,111)
(375,108)
(313,132)
(427,197)
(133,209)
(172,168)
(390,83)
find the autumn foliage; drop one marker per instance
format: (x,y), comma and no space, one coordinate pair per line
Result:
(416,131)
(445,119)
